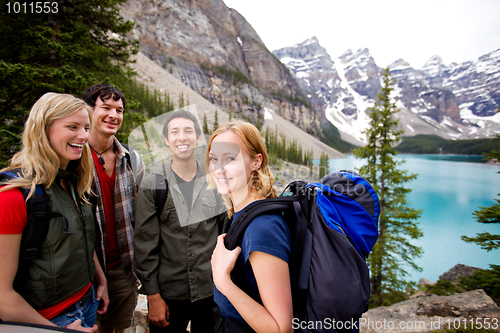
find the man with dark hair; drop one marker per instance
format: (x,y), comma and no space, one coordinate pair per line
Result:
(173,246)
(182,114)
(117,172)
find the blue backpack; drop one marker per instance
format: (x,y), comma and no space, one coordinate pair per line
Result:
(334,226)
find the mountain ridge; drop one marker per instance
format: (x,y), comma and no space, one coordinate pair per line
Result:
(156,77)
(213,50)
(458,101)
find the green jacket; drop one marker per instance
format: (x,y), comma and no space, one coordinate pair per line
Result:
(173,257)
(65,263)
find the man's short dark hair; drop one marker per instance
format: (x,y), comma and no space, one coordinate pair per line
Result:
(104,91)
(181,114)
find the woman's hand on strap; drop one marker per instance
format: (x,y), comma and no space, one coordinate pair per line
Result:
(223,261)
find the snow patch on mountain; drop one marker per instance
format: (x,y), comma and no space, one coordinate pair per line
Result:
(466,114)
(356,123)
(267,114)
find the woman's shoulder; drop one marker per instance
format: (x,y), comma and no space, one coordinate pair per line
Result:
(268,224)
(12,211)
(270,218)
(267,233)
(11,196)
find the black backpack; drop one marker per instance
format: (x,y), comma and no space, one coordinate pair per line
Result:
(38,220)
(333,225)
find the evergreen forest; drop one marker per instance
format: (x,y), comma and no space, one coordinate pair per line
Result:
(433,144)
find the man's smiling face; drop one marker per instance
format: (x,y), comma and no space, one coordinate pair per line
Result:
(108,115)
(182,137)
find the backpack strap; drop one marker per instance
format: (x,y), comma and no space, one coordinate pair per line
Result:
(270,205)
(38,223)
(161,195)
(132,161)
(300,219)
(298,209)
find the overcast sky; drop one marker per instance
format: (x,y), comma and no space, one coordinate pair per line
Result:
(456,30)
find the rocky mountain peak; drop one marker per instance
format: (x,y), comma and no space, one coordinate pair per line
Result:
(313,69)
(312,40)
(435,60)
(358,65)
(434,66)
(399,64)
(309,51)
(450,101)
(359,56)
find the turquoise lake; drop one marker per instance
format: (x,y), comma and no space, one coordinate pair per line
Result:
(448,189)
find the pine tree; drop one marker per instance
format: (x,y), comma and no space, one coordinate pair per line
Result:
(65,49)
(397,225)
(216,120)
(323,165)
(205,124)
(181,101)
(488,215)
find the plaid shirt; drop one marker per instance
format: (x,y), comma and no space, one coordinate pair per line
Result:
(125,193)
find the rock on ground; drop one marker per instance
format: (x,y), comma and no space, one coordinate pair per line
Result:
(427,314)
(140,322)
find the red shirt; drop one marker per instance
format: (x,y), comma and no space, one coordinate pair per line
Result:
(13,219)
(13,215)
(108,201)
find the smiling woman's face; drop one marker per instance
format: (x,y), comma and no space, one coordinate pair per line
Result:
(67,136)
(230,164)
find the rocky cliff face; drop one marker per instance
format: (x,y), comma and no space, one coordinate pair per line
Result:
(457,101)
(216,52)
(418,95)
(312,67)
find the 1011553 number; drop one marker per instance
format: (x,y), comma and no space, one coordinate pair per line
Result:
(32,7)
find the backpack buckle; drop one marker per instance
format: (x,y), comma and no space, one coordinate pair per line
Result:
(30,253)
(32,216)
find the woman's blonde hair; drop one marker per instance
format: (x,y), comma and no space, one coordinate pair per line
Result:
(262,179)
(37,161)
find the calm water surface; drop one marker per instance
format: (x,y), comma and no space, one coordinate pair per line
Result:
(448,189)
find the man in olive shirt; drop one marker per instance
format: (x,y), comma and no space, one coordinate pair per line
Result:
(172,256)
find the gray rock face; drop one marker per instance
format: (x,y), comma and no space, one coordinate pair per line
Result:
(475,83)
(458,271)
(424,281)
(216,52)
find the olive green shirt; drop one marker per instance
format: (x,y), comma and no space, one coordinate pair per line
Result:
(172,257)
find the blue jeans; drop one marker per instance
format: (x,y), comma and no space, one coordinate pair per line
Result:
(85,312)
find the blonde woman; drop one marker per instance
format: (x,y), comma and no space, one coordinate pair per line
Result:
(237,164)
(55,288)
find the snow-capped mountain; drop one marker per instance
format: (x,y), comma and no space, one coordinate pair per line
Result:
(455,101)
